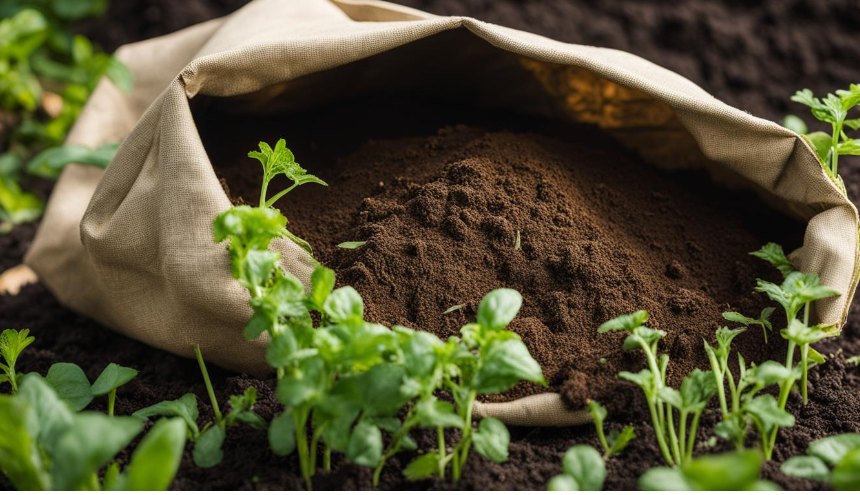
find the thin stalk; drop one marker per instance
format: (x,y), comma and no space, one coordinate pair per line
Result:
(691,441)
(278,196)
(302,447)
(465,444)
(834,156)
(313,455)
(804,360)
(263,193)
(394,447)
(736,402)
(682,432)
(673,438)
(719,379)
(602,438)
(440,436)
(658,431)
(327,458)
(209,389)
(111,401)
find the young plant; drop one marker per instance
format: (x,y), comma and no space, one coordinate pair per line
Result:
(208,439)
(486,359)
(736,471)
(763,321)
(45,445)
(796,292)
(72,385)
(12,343)
(280,161)
(834,460)
(618,439)
(832,109)
(583,471)
(719,359)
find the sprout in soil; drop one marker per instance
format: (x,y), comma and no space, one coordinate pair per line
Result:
(583,470)
(46,445)
(763,321)
(834,460)
(72,385)
(832,109)
(281,161)
(12,343)
(617,440)
(208,439)
(676,444)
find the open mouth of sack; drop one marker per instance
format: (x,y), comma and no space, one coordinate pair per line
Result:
(440,204)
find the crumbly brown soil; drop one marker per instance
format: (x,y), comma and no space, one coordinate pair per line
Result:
(601,234)
(750,54)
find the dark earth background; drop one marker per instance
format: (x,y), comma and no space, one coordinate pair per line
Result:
(752,55)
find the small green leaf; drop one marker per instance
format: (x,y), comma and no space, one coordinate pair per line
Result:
(344,304)
(207,449)
(156,459)
(562,483)
(795,123)
(773,254)
(586,466)
(422,467)
(820,142)
(506,363)
(492,440)
(453,308)
(50,163)
(832,449)
(351,244)
(806,466)
(846,474)
(663,479)
(498,308)
(113,376)
(619,440)
(433,412)
(697,389)
(765,409)
(71,384)
(184,407)
(282,434)
(625,322)
(597,411)
(731,471)
(365,445)
(322,283)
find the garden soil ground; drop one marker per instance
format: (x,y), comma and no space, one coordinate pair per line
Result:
(751,57)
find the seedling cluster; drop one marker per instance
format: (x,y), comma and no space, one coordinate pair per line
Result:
(344,381)
(46,77)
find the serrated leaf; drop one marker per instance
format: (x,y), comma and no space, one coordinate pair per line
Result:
(773,254)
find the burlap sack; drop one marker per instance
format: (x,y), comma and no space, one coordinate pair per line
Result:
(133,247)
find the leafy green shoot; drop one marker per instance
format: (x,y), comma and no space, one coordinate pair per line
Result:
(12,343)
(854,360)
(351,244)
(583,469)
(113,377)
(773,254)
(45,445)
(617,440)
(834,460)
(763,321)
(832,109)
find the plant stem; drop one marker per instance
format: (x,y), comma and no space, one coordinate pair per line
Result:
(327,458)
(440,436)
(682,432)
(670,420)
(263,192)
(691,441)
(302,447)
(461,454)
(313,455)
(719,379)
(658,431)
(276,197)
(601,437)
(804,361)
(732,389)
(111,401)
(209,389)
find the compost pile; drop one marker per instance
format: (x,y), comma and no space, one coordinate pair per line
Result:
(584,231)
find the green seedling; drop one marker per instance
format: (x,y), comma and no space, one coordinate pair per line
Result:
(45,445)
(763,321)
(280,161)
(834,460)
(736,471)
(12,343)
(719,359)
(617,440)
(583,470)
(113,377)
(854,360)
(774,254)
(832,109)
(456,307)
(344,382)
(486,359)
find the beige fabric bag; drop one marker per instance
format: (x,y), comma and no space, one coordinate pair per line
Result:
(133,247)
